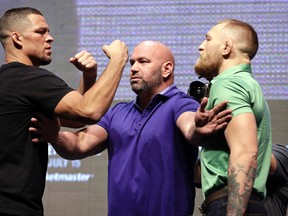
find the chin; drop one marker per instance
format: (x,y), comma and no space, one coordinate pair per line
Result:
(46,61)
(198,72)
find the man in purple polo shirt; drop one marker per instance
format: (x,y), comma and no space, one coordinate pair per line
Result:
(149,140)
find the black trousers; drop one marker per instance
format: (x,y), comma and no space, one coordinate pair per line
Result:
(255,207)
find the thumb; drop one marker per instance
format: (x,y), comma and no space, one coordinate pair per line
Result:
(72,59)
(105,50)
(203,104)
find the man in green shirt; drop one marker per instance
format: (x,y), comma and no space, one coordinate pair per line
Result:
(234,162)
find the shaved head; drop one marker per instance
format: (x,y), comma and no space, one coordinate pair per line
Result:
(158,49)
(243,35)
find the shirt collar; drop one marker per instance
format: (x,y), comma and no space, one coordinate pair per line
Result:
(166,93)
(167,89)
(233,70)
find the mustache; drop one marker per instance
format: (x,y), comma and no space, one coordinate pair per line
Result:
(135,77)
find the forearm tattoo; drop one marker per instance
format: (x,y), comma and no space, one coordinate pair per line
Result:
(238,201)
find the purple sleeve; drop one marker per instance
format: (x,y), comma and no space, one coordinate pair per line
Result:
(185,104)
(105,120)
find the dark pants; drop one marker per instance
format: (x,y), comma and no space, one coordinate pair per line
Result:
(255,207)
(4,214)
(276,200)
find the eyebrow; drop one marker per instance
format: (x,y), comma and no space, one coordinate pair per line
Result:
(43,28)
(141,58)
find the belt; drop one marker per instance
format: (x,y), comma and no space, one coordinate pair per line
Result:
(223,192)
(212,197)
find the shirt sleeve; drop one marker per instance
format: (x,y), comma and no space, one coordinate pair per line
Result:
(235,92)
(105,120)
(183,104)
(43,89)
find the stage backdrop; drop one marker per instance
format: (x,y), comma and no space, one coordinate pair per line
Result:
(80,187)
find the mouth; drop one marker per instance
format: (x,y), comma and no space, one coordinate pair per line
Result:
(134,78)
(48,51)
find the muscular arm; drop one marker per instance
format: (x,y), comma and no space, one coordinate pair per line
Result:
(91,106)
(84,143)
(241,136)
(89,70)
(85,62)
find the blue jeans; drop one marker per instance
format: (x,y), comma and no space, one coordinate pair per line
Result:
(255,207)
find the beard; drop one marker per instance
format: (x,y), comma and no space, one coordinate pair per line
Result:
(143,86)
(42,61)
(140,86)
(46,61)
(208,67)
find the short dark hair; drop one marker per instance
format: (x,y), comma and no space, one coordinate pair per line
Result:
(13,17)
(247,34)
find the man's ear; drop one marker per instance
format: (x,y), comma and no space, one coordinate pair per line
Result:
(167,68)
(227,47)
(16,38)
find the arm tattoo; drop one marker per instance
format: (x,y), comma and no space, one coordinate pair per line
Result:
(237,202)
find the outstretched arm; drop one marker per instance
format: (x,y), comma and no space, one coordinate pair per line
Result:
(84,143)
(81,144)
(204,122)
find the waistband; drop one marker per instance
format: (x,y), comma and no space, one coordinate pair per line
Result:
(221,194)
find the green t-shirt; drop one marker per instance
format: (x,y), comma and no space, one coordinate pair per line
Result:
(244,95)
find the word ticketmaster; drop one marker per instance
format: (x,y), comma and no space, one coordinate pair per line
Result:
(69,177)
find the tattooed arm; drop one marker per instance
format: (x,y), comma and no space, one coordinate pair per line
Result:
(241,136)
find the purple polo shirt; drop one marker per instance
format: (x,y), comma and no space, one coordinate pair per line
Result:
(150,169)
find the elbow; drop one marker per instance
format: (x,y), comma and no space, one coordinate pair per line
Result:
(90,116)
